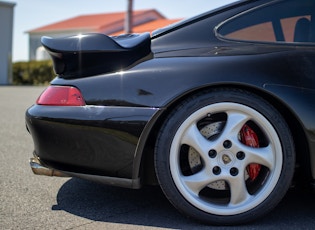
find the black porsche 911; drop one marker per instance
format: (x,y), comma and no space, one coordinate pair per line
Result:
(218,110)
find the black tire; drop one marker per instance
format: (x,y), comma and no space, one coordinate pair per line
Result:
(202,163)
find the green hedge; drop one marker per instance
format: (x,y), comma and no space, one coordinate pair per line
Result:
(33,73)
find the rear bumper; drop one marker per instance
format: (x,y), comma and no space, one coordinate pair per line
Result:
(95,140)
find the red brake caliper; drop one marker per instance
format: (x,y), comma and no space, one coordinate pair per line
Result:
(249,138)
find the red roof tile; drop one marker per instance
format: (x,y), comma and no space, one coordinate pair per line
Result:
(150,26)
(93,22)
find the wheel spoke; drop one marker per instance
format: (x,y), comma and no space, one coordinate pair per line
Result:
(198,181)
(194,138)
(234,124)
(239,191)
(264,156)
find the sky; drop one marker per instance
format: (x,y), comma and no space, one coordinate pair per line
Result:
(31,14)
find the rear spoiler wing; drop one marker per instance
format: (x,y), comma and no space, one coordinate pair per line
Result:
(92,54)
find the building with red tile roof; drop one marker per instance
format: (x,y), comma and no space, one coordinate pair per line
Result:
(150,26)
(108,23)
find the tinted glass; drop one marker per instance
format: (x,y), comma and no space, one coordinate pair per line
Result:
(285,21)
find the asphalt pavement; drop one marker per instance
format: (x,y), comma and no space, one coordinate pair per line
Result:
(28,201)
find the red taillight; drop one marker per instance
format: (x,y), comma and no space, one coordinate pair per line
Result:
(61,96)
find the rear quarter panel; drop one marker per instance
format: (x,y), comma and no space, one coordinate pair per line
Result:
(160,82)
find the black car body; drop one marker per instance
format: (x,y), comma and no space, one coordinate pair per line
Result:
(252,58)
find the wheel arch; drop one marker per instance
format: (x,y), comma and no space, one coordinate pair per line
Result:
(147,172)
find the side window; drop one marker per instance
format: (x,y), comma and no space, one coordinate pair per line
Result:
(297,29)
(262,32)
(287,21)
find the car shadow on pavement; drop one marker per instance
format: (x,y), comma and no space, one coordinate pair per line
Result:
(149,207)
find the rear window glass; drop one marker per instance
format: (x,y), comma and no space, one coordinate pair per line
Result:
(285,21)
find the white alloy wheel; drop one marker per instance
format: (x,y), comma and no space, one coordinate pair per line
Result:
(214,172)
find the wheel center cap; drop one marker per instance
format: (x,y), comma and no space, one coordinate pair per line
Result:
(226,159)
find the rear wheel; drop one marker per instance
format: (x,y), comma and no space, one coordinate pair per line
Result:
(224,157)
